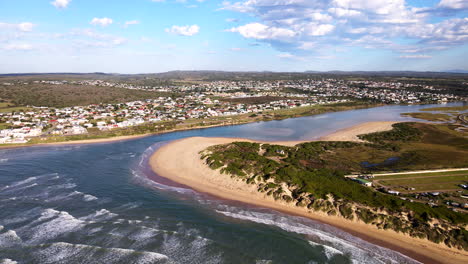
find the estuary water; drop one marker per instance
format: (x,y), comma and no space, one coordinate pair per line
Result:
(100,203)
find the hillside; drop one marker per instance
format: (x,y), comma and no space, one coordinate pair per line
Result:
(70,95)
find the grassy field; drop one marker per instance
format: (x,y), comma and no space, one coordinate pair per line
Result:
(421,175)
(4,126)
(5,104)
(430,116)
(424,182)
(15,109)
(71,95)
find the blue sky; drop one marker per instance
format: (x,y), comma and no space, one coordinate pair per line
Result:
(145,36)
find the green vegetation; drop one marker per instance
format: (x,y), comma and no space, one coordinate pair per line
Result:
(445,109)
(311,175)
(70,95)
(254,100)
(15,109)
(5,105)
(315,110)
(429,116)
(4,126)
(400,132)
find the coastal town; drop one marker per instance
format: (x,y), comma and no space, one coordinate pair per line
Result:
(198,101)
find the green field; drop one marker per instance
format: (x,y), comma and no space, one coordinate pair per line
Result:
(15,109)
(5,104)
(424,182)
(422,175)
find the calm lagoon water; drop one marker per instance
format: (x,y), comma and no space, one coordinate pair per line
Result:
(95,204)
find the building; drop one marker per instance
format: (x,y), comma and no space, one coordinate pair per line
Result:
(363,182)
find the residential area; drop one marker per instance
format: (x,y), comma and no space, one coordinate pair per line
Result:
(198,101)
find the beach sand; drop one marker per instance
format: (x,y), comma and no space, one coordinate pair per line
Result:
(350,134)
(180,162)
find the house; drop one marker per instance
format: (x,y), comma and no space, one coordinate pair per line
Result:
(363,182)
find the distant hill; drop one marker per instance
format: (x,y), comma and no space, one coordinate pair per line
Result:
(457,71)
(245,75)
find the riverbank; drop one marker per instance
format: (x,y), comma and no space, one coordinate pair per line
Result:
(75,142)
(194,173)
(217,122)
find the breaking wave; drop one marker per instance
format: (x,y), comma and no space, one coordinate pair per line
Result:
(333,240)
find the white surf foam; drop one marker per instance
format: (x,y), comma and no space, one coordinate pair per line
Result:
(51,224)
(329,251)
(28,180)
(89,198)
(99,215)
(65,252)
(9,239)
(143,180)
(7,261)
(360,250)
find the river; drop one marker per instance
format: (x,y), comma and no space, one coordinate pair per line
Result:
(100,203)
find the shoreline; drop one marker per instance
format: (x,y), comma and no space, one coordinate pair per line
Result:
(108,139)
(195,174)
(129,137)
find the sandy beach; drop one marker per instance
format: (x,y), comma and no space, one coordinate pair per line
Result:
(350,134)
(179,161)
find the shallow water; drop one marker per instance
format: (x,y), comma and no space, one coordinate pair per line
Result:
(95,204)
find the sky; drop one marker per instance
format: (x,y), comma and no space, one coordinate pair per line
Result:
(149,36)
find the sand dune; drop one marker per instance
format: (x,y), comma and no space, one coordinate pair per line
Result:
(180,162)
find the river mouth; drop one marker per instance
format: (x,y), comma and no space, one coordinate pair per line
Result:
(99,204)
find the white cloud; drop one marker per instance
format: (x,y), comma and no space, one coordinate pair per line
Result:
(297,25)
(184,30)
(285,56)
(260,31)
(381,7)
(104,22)
(20,46)
(132,22)
(91,38)
(24,26)
(418,56)
(344,12)
(454,4)
(450,32)
(319,30)
(60,3)
(321,17)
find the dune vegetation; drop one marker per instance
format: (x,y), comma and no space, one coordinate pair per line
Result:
(312,175)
